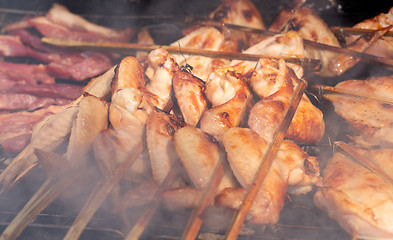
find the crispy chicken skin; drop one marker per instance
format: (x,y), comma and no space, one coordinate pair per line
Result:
(273,81)
(310,26)
(189,96)
(160,128)
(208,38)
(242,13)
(291,167)
(371,117)
(224,84)
(161,66)
(383,47)
(358,199)
(288,44)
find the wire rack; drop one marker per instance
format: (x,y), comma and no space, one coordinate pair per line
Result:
(300,219)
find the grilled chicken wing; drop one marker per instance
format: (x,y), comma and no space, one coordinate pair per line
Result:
(127,121)
(160,69)
(383,47)
(291,167)
(274,83)
(288,44)
(357,198)
(189,96)
(371,117)
(160,128)
(199,156)
(230,96)
(208,38)
(311,27)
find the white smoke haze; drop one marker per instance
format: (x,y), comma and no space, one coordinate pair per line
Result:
(300,219)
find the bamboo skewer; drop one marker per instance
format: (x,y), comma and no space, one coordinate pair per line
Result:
(355,31)
(322,46)
(46,194)
(149,211)
(131,48)
(268,158)
(369,164)
(324,90)
(99,194)
(195,220)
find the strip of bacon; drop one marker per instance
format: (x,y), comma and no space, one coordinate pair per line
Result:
(22,101)
(58,90)
(60,23)
(16,128)
(30,73)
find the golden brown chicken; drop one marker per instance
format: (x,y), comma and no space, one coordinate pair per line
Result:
(229,94)
(357,198)
(291,167)
(372,118)
(383,47)
(274,81)
(310,26)
(189,96)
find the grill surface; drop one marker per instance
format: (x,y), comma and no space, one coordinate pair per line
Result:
(300,219)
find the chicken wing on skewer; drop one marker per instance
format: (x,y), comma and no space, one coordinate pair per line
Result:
(382,47)
(372,118)
(161,66)
(208,38)
(288,44)
(160,128)
(291,168)
(189,96)
(273,81)
(230,96)
(357,198)
(312,27)
(127,121)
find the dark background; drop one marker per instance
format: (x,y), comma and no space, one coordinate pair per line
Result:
(336,11)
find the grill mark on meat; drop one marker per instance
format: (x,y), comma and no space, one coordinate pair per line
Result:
(247,15)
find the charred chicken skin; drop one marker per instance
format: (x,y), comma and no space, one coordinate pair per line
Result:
(357,198)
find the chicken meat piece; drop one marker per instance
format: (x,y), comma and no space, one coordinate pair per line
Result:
(207,38)
(189,96)
(199,154)
(241,13)
(373,118)
(127,120)
(273,81)
(292,170)
(310,26)
(161,66)
(360,200)
(160,128)
(230,96)
(92,118)
(288,44)
(383,47)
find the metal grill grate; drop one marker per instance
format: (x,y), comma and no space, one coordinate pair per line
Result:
(300,219)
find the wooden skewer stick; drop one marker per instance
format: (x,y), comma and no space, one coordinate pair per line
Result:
(46,194)
(238,220)
(354,31)
(195,220)
(99,194)
(324,90)
(322,46)
(369,164)
(131,48)
(140,226)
